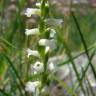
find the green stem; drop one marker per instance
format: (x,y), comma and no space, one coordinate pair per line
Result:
(42,29)
(84,44)
(72,62)
(74,57)
(16,73)
(86,68)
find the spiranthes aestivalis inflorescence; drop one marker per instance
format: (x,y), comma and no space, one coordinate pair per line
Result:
(46,44)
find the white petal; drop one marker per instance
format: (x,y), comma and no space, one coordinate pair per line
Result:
(38,67)
(31,86)
(52,33)
(43,42)
(50,43)
(34,31)
(33,53)
(32,11)
(51,67)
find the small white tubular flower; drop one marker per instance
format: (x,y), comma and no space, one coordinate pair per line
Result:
(54,22)
(52,33)
(34,31)
(51,67)
(49,43)
(43,42)
(33,53)
(31,86)
(32,11)
(39,4)
(38,67)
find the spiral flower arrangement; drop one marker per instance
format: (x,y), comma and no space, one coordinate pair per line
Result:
(46,44)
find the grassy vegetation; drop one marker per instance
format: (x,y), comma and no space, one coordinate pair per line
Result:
(75,37)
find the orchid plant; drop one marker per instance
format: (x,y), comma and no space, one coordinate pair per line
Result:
(46,44)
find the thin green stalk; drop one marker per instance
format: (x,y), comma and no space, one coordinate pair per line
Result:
(87,88)
(86,68)
(84,73)
(72,62)
(15,71)
(8,43)
(42,29)
(84,43)
(43,8)
(91,90)
(28,65)
(74,57)
(90,87)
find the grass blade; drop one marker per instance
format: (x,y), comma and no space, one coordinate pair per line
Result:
(72,62)
(84,43)
(15,71)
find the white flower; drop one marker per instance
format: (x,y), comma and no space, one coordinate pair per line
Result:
(51,67)
(52,33)
(54,22)
(48,43)
(39,4)
(31,86)
(38,67)
(33,53)
(34,31)
(32,11)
